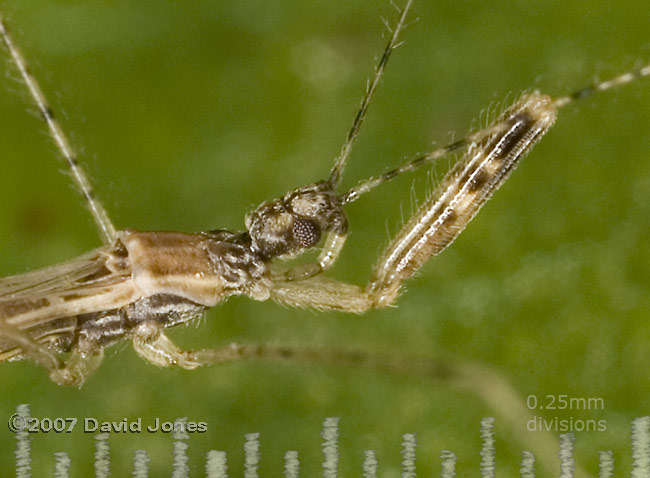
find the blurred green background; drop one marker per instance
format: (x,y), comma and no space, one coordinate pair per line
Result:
(188,114)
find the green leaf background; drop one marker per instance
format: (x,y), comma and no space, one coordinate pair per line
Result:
(188,114)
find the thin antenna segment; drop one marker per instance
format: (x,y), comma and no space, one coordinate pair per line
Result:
(370,183)
(342,159)
(100,216)
(605,85)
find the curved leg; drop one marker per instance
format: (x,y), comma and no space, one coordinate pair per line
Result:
(77,367)
(486,165)
(151,343)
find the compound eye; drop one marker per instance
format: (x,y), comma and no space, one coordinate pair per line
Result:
(306,232)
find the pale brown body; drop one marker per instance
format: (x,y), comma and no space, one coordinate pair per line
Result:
(144,282)
(140,283)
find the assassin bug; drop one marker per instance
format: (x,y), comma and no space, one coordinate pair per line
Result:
(141,282)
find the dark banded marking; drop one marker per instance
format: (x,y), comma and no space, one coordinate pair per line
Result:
(100,216)
(582,93)
(521,124)
(95,276)
(12,308)
(605,85)
(450,217)
(48,114)
(477,180)
(370,183)
(462,192)
(149,281)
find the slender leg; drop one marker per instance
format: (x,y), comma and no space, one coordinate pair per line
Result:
(440,219)
(25,345)
(489,386)
(72,371)
(151,343)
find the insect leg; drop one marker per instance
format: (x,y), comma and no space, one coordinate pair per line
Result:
(441,218)
(77,367)
(151,343)
(486,384)
(334,243)
(159,350)
(72,371)
(29,347)
(464,190)
(322,294)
